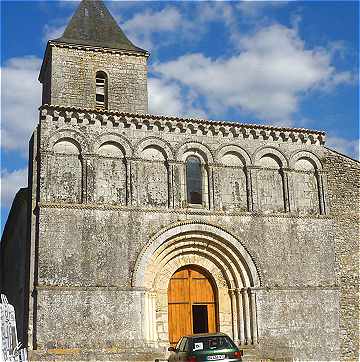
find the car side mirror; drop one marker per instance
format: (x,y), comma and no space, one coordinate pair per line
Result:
(171,349)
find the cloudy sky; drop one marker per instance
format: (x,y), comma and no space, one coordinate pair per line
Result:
(283,63)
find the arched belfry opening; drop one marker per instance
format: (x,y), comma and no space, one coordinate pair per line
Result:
(177,258)
(192,303)
(101,90)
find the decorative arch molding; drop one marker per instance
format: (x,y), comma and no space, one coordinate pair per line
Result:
(69,134)
(121,141)
(162,278)
(200,230)
(67,145)
(307,155)
(64,182)
(199,148)
(308,184)
(159,143)
(233,270)
(272,151)
(222,151)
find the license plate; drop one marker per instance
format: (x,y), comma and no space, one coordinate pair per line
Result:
(216,357)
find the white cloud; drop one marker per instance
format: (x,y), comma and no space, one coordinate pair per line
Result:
(254,9)
(21,97)
(344,145)
(266,78)
(11,183)
(176,22)
(166,99)
(143,26)
(52,32)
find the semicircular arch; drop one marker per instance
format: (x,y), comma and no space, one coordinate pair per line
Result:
(115,138)
(210,241)
(161,281)
(69,134)
(164,147)
(193,148)
(298,155)
(272,152)
(234,149)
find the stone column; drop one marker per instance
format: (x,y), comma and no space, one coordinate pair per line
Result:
(285,180)
(234,314)
(153,318)
(252,188)
(240,313)
(209,169)
(216,187)
(324,191)
(150,319)
(178,185)
(249,191)
(171,187)
(127,181)
(253,316)
(133,181)
(291,189)
(322,199)
(146,315)
(88,178)
(247,323)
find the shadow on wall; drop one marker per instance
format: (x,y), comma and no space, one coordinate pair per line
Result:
(14,254)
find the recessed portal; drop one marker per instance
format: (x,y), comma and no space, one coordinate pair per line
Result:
(191,303)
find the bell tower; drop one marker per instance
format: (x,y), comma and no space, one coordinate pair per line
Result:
(94,65)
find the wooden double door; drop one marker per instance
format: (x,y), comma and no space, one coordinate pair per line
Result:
(192,303)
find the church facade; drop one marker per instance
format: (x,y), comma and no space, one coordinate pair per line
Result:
(143,228)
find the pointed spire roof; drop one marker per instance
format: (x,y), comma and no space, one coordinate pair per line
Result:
(93,25)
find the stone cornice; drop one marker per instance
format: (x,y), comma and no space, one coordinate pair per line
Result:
(180,211)
(98,49)
(87,116)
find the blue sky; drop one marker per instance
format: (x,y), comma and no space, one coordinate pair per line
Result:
(280,63)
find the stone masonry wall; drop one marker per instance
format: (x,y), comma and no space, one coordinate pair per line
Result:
(73,79)
(131,182)
(344,187)
(90,259)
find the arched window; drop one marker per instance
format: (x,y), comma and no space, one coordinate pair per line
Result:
(101,90)
(193,180)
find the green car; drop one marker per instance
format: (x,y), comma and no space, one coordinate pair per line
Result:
(205,347)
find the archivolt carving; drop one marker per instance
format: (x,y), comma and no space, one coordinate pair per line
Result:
(195,243)
(272,152)
(161,281)
(212,242)
(70,134)
(198,147)
(116,138)
(234,149)
(160,144)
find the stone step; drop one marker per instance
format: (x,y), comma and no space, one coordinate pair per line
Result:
(250,354)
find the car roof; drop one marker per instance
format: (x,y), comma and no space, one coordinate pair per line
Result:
(217,334)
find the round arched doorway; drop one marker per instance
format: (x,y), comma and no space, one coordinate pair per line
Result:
(192,306)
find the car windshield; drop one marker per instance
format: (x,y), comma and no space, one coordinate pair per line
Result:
(211,343)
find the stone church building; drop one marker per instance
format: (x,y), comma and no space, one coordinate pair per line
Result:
(136,229)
